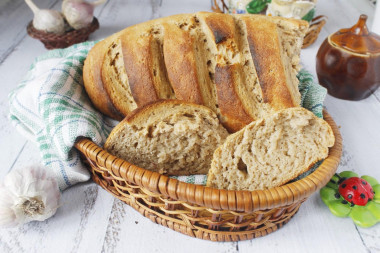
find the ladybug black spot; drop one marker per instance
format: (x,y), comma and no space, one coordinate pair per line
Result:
(344,202)
(362,195)
(349,196)
(354,187)
(364,182)
(343,185)
(337,195)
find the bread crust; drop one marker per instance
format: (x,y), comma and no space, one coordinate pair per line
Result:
(264,45)
(234,116)
(192,53)
(138,62)
(115,79)
(181,64)
(92,79)
(220,25)
(270,60)
(141,111)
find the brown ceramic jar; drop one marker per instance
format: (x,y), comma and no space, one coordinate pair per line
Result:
(348,62)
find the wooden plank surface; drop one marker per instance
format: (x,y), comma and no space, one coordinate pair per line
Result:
(91,220)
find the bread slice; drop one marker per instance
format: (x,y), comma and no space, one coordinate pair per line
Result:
(144,64)
(275,47)
(170,136)
(227,76)
(92,79)
(186,59)
(115,79)
(269,152)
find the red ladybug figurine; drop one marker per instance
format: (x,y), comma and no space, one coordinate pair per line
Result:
(356,190)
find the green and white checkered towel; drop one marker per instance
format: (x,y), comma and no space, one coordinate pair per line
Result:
(51,108)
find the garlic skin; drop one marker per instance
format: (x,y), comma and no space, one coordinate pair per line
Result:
(78,13)
(28,194)
(7,216)
(50,21)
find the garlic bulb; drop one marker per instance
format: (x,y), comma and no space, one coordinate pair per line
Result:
(47,20)
(79,13)
(26,195)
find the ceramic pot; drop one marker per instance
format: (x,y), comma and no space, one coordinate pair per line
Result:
(348,62)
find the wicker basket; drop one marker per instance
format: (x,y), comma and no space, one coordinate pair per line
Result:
(203,212)
(52,41)
(311,36)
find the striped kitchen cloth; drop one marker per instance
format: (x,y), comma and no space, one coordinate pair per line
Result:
(51,108)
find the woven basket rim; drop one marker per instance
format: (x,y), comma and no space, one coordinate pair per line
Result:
(218,199)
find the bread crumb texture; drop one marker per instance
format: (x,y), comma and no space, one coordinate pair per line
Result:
(170,137)
(271,151)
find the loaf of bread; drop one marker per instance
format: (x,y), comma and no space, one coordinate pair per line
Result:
(271,151)
(171,137)
(243,67)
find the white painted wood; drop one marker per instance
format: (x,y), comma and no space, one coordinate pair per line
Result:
(376,20)
(340,14)
(128,230)
(363,7)
(313,229)
(359,120)
(171,7)
(15,15)
(17,52)
(78,226)
(91,220)
(119,14)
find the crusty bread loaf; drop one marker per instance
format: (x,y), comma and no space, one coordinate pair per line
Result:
(271,151)
(170,136)
(243,67)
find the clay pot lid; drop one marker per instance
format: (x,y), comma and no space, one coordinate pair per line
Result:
(357,39)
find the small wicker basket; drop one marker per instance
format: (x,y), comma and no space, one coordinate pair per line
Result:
(52,41)
(204,212)
(311,36)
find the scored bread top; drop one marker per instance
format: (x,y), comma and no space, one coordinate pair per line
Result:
(93,80)
(265,55)
(243,67)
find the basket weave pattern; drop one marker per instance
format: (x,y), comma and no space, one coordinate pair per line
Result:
(203,212)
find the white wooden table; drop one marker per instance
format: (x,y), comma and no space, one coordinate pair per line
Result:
(91,220)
